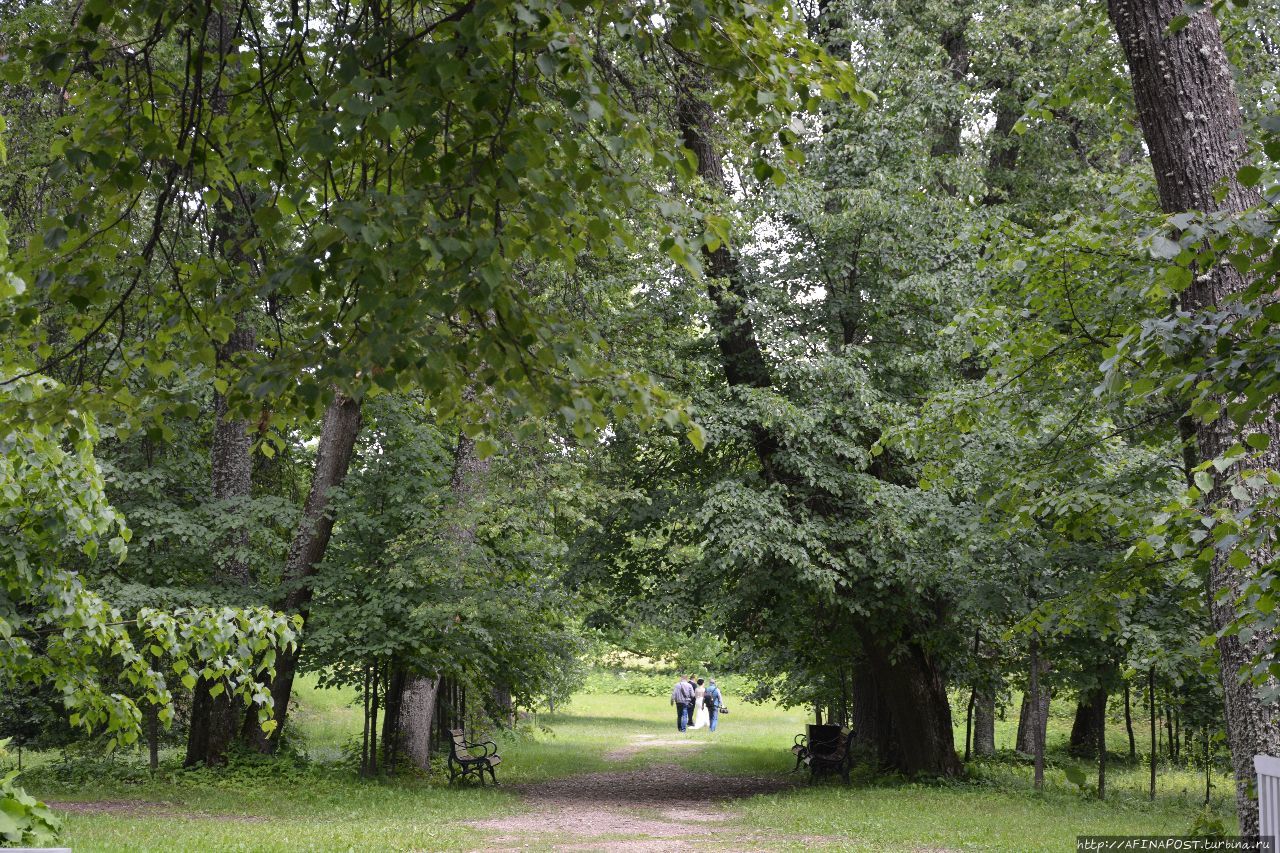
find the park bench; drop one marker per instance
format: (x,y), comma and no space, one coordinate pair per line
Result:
(823,756)
(800,749)
(464,760)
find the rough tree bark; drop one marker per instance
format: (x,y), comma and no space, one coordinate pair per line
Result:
(909,682)
(1039,712)
(1191,120)
(406,728)
(338,433)
(1025,740)
(912,690)
(873,732)
(984,724)
(956,44)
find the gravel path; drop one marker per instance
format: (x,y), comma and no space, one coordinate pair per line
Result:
(660,806)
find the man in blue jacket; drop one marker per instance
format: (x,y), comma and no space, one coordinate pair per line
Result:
(713,700)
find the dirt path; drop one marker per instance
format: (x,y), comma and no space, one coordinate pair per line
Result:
(658,807)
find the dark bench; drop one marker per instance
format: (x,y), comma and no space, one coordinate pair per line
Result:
(467,758)
(829,757)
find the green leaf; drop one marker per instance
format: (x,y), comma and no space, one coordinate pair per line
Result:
(1249,175)
(1163,248)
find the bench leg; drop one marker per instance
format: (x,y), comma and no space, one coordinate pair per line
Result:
(491,775)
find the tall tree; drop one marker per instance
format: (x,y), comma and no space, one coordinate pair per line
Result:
(213,720)
(1190,116)
(411,703)
(905,675)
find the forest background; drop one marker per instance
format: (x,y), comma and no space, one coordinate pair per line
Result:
(891,350)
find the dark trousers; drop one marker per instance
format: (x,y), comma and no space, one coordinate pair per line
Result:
(684,713)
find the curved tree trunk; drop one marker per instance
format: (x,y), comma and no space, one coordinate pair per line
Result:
(338,433)
(1191,120)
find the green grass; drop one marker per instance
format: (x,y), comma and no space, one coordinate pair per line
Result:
(318,804)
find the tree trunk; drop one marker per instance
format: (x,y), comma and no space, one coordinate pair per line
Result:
(1191,119)
(231,465)
(741,358)
(872,727)
(947,129)
(213,720)
(338,433)
(916,698)
(1025,741)
(984,724)
(416,713)
(1091,716)
(504,708)
(1102,762)
(968,726)
(1128,724)
(1039,713)
(153,737)
(1151,709)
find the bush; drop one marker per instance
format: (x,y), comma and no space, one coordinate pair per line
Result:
(24,820)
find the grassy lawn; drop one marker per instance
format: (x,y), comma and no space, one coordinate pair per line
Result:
(318,804)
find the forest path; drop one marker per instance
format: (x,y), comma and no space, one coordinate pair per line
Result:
(658,806)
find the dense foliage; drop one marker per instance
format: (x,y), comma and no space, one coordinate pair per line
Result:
(470,337)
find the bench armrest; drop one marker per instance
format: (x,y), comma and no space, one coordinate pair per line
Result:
(486,747)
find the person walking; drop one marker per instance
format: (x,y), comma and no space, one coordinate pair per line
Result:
(713,700)
(701,719)
(682,698)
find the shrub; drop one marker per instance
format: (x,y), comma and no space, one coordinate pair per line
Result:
(24,820)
